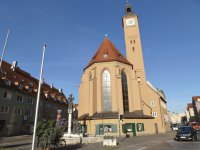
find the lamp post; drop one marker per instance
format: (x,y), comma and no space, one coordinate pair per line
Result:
(4,48)
(38,99)
(70,109)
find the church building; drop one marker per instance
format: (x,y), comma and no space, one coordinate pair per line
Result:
(114,95)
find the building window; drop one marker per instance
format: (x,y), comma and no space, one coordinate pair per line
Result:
(131,41)
(153,103)
(8,82)
(154,114)
(30,101)
(30,89)
(20,86)
(4,109)
(105,55)
(17,111)
(29,112)
(133,48)
(125,92)
(106,91)
(5,94)
(19,98)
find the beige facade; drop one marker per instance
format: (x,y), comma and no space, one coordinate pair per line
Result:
(114,87)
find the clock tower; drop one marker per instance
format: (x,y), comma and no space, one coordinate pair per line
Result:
(133,43)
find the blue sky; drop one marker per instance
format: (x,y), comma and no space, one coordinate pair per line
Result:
(73,31)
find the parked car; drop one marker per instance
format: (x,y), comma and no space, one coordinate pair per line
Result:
(186,133)
(174,127)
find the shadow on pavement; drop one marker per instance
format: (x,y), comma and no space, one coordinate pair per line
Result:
(16,145)
(71,147)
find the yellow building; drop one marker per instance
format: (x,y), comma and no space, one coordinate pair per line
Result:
(114,95)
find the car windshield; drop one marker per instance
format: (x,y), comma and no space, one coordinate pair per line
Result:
(184,129)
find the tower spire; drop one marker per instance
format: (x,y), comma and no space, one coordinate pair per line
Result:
(128,9)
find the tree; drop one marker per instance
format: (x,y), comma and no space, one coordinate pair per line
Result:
(49,134)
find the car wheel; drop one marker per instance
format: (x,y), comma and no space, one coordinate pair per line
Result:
(193,138)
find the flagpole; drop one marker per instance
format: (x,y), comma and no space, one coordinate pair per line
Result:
(38,99)
(4,48)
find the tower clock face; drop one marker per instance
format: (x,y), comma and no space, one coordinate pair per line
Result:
(130,22)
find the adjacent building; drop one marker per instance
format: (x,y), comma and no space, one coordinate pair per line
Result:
(114,95)
(196,107)
(18,92)
(190,113)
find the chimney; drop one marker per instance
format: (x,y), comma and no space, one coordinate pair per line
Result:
(60,90)
(14,65)
(51,86)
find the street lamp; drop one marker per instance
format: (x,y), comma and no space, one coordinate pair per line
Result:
(4,48)
(38,99)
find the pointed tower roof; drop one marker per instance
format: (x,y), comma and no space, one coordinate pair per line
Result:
(107,52)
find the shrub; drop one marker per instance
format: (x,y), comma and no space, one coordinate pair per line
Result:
(48,133)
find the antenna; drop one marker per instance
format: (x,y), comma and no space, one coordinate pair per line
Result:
(4,48)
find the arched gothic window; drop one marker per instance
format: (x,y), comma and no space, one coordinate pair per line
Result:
(125,92)
(106,87)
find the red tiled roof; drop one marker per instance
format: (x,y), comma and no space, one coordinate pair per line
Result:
(195,98)
(189,105)
(108,52)
(19,76)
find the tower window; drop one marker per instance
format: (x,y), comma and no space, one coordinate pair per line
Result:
(154,114)
(133,48)
(153,103)
(131,41)
(106,87)
(128,9)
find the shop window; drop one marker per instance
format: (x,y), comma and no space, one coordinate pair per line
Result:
(106,128)
(140,127)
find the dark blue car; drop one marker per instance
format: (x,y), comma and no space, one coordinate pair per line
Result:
(186,133)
